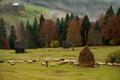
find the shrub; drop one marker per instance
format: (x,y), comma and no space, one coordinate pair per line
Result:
(114,42)
(55,43)
(22,13)
(113,57)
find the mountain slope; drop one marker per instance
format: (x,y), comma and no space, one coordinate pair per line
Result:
(26,11)
(93,8)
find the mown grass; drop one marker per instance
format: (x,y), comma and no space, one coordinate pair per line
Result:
(34,71)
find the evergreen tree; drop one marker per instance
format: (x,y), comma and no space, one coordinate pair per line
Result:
(67,18)
(28,35)
(109,13)
(41,19)
(2,32)
(12,38)
(97,40)
(118,12)
(2,29)
(35,30)
(85,29)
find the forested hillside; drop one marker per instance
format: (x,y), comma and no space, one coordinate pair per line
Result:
(94,8)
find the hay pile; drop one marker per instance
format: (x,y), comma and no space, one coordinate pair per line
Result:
(86,58)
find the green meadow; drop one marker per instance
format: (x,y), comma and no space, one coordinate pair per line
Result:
(35,71)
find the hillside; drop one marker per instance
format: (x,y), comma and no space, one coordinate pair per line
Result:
(25,12)
(94,8)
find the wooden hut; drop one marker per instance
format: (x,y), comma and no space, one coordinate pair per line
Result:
(65,44)
(20,46)
(86,58)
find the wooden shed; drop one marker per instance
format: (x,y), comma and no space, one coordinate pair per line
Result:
(65,44)
(20,46)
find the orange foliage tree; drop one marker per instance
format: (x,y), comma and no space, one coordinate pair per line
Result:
(112,30)
(47,32)
(73,33)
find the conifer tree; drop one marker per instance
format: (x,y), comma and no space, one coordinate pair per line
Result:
(109,13)
(2,32)
(12,38)
(85,29)
(35,30)
(118,12)
(41,19)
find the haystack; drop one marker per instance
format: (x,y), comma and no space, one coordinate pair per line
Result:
(86,58)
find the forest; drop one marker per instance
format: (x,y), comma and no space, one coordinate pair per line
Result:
(77,31)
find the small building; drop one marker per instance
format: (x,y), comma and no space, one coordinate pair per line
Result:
(15,4)
(20,46)
(65,44)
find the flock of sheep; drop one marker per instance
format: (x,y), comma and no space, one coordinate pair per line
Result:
(58,61)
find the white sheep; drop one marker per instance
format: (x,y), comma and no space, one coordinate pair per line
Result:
(52,64)
(30,61)
(43,64)
(109,64)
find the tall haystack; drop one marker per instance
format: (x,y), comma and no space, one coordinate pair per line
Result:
(86,58)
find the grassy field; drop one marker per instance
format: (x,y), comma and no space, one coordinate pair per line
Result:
(35,71)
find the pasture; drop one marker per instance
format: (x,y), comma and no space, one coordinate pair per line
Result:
(35,71)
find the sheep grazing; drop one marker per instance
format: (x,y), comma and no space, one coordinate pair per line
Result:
(47,59)
(19,61)
(52,64)
(109,64)
(100,63)
(62,62)
(73,61)
(35,60)
(12,62)
(30,61)
(43,64)
(76,64)
(57,59)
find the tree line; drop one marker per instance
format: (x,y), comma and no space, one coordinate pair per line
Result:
(73,29)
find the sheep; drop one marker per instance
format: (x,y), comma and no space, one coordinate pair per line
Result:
(73,61)
(52,64)
(100,63)
(35,60)
(30,61)
(43,64)
(57,59)
(12,63)
(47,59)
(19,61)
(109,64)
(76,64)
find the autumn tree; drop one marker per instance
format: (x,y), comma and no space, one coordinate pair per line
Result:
(12,37)
(73,33)
(111,32)
(85,29)
(47,32)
